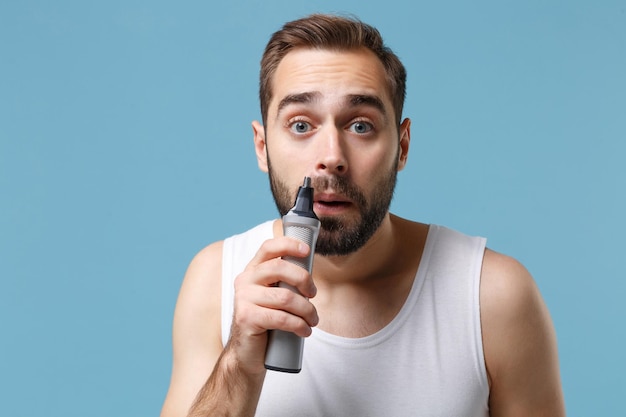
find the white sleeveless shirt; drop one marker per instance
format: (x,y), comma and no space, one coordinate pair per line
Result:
(428,361)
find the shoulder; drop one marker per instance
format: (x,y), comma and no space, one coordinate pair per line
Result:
(197,341)
(202,280)
(518,339)
(505,283)
(205,263)
(199,296)
(198,301)
(201,288)
(196,330)
(510,304)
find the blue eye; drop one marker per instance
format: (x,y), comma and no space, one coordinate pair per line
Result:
(360,127)
(300,127)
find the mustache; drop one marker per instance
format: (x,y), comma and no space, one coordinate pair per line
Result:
(340,185)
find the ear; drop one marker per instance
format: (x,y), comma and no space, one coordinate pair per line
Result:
(260,147)
(405,141)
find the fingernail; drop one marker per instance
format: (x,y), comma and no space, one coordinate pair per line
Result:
(303,248)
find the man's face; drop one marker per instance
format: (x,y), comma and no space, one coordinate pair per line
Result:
(331,118)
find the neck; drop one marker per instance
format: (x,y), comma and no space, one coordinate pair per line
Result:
(360,293)
(374,260)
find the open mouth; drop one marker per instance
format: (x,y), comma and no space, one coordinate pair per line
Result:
(334,203)
(331,206)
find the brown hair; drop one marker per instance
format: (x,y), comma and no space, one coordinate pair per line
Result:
(322,31)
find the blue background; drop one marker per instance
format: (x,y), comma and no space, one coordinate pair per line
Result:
(126,146)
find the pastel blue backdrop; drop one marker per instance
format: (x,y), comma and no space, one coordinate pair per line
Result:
(125,147)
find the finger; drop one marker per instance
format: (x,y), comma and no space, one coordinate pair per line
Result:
(288,275)
(273,270)
(279,247)
(276,270)
(254,319)
(287,300)
(281,320)
(277,298)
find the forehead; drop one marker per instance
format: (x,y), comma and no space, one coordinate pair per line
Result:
(331,74)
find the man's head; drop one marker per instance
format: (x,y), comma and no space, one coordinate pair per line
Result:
(329,32)
(332,96)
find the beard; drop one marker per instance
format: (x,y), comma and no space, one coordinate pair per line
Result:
(343,234)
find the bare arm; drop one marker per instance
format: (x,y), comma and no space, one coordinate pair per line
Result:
(208,380)
(519,342)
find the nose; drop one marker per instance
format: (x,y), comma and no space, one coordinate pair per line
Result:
(331,153)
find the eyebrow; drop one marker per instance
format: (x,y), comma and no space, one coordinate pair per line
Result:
(300,98)
(367,100)
(352,100)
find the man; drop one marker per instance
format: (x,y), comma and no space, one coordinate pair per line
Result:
(401,318)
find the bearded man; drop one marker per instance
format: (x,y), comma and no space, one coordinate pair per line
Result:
(400,318)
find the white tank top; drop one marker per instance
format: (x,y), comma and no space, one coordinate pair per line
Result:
(428,361)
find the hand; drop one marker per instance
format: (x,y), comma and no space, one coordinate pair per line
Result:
(261,306)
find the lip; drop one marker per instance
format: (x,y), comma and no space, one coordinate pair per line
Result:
(330,198)
(330,204)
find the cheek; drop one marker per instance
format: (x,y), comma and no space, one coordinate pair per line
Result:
(286,162)
(376,161)
(291,156)
(288,166)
